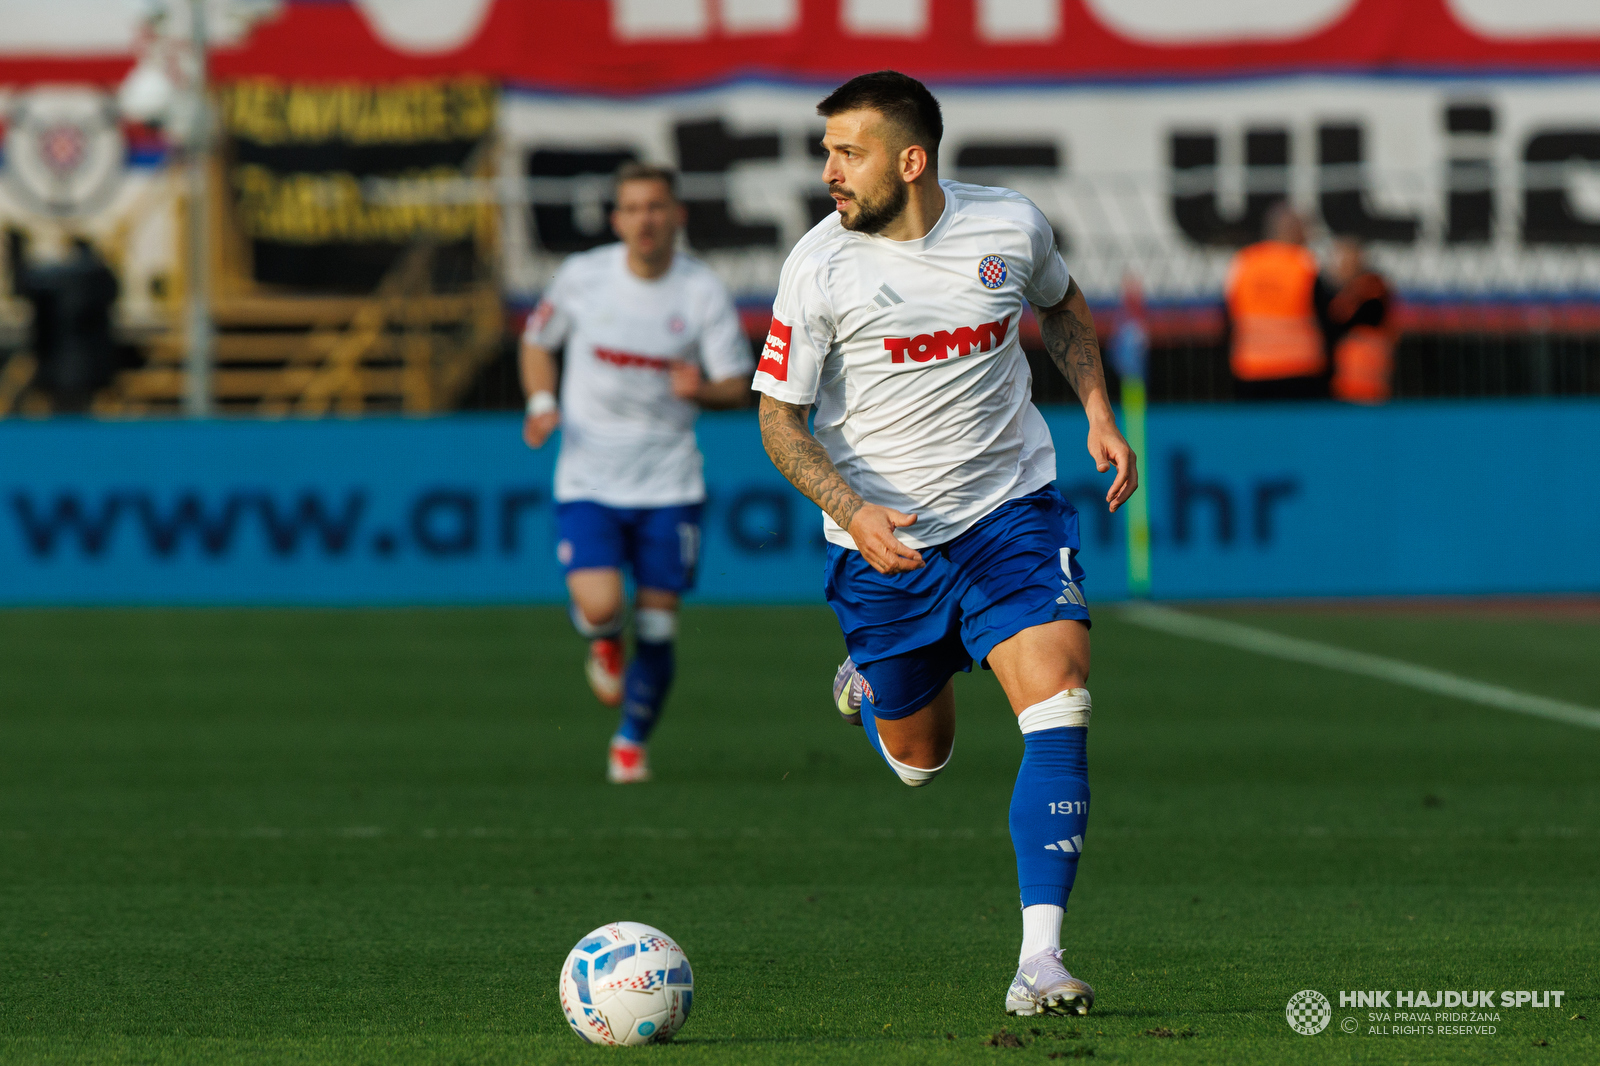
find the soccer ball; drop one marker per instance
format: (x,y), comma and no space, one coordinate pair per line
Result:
(625,984)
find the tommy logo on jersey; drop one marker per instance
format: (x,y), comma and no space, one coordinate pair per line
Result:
(775,353)
(992,271)
(629,359)
(937,345)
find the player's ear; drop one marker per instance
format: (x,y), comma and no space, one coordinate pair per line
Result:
(913,162)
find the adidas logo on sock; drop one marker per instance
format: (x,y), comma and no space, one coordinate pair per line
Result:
(1071,846)
(886,296)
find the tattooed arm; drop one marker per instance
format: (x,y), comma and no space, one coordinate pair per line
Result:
(800,457)
(1069,337)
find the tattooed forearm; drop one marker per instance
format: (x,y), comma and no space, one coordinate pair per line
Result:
(800,458)
(1069,337)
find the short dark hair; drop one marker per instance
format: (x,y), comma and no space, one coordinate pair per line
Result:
(635,171)
(900,98)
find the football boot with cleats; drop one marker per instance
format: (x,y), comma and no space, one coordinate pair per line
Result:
(604,670)
(849,688)
(1043,986)
(628,763)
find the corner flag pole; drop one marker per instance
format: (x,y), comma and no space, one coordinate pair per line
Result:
(1130,348)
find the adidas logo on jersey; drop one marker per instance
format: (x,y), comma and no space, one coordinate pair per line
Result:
(886,296)
(1071,846)
(775,353)
(939,345)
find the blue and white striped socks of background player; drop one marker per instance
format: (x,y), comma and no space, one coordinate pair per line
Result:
(649,675)
(1050,812)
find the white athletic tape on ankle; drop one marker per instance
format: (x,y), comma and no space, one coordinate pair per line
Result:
(655,625)
(915,776)
(609,628)
(1068,708)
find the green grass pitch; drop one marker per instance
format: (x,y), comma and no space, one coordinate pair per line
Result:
(371,837)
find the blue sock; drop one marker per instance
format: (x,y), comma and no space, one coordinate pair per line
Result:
(644,689)
(1050,812)
(869,725)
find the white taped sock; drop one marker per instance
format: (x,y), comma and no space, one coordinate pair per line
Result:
(915,776)
(595,630)
(1067,708)
(1041,929)
(655,625)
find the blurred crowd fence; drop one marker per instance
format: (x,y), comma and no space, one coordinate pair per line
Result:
(323,300)
(1469,163)
(1483,350)
(1260,501)
(1446,351)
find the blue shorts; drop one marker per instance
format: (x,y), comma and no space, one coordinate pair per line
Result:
(910,632)
(661,544)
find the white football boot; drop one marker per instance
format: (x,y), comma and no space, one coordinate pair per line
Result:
(1043,986)
(848,689)
(604,670)
(628,763)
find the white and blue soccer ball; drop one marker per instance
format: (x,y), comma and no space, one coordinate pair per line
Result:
(626,983)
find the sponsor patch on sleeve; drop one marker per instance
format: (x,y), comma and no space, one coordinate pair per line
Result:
(775,353)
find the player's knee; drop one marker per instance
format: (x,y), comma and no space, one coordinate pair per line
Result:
(919,768)
(599,625)
(1069,708)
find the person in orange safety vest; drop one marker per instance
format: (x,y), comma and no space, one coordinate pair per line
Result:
(1276,299)
(1360,322)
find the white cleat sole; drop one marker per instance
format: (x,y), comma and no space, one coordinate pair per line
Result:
(1061,995)
(1060,1006)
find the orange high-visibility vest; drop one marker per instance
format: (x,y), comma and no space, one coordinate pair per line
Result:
(1363,364)
(1275,332)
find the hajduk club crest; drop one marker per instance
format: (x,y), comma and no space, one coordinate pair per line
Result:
(992,271)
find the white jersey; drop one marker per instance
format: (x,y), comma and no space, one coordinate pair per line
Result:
(626,440)
(909,351)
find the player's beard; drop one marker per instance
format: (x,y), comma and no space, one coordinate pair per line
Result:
(874,214)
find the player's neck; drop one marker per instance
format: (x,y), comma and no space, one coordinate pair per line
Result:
(924,206)
(649,269)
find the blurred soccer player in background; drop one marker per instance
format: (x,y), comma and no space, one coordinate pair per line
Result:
(1275,304)
(651,337)
(897,321)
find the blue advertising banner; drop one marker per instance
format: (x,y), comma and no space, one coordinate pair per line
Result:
(1318,500)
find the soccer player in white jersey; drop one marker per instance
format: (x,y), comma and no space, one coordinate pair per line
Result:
(651,337)
(896,320)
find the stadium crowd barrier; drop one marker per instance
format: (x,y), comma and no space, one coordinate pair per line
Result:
(1322,500)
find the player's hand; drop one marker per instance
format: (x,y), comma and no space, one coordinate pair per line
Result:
(873,528)
(536,429)
(686,381)
(1108,448)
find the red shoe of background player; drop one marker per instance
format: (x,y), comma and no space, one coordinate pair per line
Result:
(604,670)
(627,763)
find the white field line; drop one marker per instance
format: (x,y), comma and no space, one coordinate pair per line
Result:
(1294,649)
